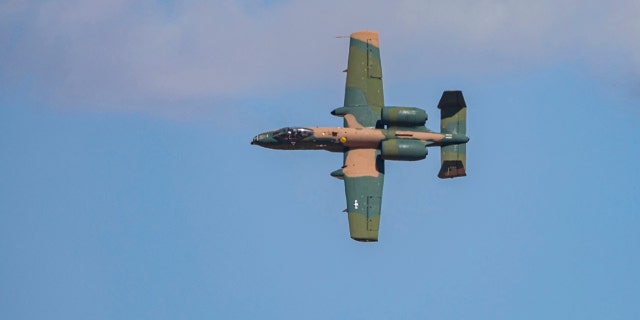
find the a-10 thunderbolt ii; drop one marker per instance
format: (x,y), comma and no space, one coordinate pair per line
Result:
(373,133)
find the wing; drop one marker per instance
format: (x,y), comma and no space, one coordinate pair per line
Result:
(363,97)
(363,180)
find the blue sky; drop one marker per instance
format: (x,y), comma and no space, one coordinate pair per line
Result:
(128,188)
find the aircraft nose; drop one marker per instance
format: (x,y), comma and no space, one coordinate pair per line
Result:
(256,140)
(262,139)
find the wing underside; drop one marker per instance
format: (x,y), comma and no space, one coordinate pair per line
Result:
(363,181)
(363,167)
(363,98)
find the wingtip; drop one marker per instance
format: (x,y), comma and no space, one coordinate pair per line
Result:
(369,36)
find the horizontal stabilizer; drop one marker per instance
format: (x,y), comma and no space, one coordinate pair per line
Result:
(453,120)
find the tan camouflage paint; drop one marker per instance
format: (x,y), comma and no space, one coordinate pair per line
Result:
(367,36)
(352,122)
(360,163)
(424,136)
(371,138)
(355,137)
(363,143)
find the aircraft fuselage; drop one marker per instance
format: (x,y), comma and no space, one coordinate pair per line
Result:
(336,139)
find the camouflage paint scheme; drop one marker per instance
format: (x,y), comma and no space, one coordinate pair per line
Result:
(373,133)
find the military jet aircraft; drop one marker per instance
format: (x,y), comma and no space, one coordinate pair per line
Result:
(373,133)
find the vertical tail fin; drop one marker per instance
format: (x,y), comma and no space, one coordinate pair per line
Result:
(453,113)
(454,161)
(453,120)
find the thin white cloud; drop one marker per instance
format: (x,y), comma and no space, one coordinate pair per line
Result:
(147,56)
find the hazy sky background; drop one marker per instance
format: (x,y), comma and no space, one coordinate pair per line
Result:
(129,190)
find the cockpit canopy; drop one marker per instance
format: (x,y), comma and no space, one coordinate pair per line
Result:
(292,134)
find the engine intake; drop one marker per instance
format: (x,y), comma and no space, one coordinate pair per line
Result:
(403,149)
(403,116)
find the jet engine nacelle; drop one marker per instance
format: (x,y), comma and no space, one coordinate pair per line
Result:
(403,149)
(403,116)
